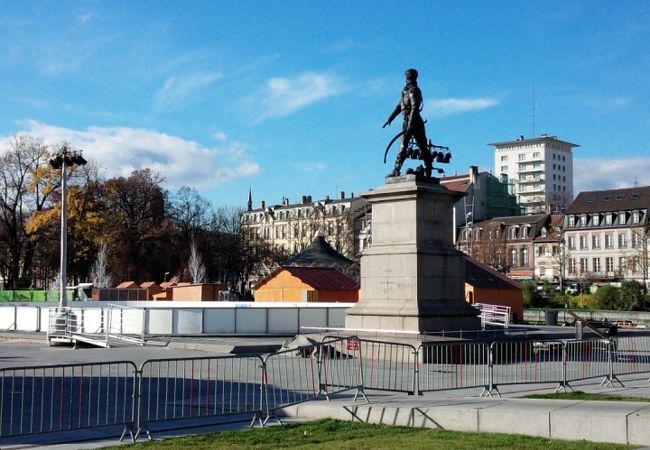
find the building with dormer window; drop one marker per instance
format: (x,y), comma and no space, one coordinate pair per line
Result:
(606,234)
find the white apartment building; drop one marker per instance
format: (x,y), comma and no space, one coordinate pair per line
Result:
(539,172)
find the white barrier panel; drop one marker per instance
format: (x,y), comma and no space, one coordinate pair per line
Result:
(169,318)
(188,321)
(282,320)
(27,318)
(7,317)
(160,321)
(219,321)
(249,320)
(312,317)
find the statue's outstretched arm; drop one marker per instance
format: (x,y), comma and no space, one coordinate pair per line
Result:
(395,113)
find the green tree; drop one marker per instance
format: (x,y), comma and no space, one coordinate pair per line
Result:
(608,297)
(632,296)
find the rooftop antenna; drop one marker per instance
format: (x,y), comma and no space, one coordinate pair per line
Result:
(533,112)
(636,181)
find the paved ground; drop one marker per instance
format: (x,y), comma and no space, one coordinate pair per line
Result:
(455,409)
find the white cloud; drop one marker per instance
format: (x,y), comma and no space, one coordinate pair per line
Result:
(177,88)
(121,150)
(448,106)
(284,96)
(590,174)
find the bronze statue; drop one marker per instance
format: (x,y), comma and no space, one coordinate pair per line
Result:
(410,105)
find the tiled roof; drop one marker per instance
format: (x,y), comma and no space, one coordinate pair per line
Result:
(480,275)
(319,278)
(610,200)
(554,229)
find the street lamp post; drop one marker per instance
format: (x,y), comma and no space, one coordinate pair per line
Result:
(63,159)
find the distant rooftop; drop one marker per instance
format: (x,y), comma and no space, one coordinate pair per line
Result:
(543,138)
(611,200)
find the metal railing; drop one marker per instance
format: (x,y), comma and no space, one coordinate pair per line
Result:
(98,326)
(494,314)
(173,389)
(66,397)
(43,399)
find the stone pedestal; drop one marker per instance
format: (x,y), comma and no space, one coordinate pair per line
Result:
(412,278)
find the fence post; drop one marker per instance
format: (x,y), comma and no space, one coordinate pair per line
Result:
(416,370)
(611,376)
(144,324)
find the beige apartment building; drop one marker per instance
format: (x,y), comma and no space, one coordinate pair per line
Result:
(293,226)
(606,235)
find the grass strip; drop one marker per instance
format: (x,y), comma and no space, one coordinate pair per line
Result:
(580,395)
(333,434)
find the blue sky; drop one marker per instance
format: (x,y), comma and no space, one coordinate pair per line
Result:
(288,98)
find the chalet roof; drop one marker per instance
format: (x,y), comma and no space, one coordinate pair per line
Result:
(319,278)
(318,254)
(610,200)
(128,285)
(483,276)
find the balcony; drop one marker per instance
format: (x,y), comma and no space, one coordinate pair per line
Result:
(532,180)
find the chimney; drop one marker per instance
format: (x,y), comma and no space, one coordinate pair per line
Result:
(263,204)
(309,199)
(473,173)
(342,195)
(304,200)
(285,201)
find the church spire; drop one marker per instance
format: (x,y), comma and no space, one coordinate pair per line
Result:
(250,200)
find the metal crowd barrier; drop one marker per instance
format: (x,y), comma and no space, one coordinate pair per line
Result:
(44,399)
(68,397)
(306,373)
(388,366)
(631,354)
(452,366)
(173,389)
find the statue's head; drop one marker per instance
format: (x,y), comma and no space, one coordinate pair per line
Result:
(411,75)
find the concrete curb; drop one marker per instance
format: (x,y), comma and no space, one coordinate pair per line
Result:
(595,421)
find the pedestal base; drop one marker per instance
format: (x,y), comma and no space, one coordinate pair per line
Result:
(412,278)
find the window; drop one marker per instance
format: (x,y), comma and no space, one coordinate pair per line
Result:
(537,165)
(524,257)
(535,154)
(636,240)
(504,158)
(572,221)
(622,241)
(572,265)
(595,265)
(608,219)
(622,218)
(547,250)
(583,242)
(522,157)
(622,264)
(504,168)
(583,265)
(583,220)
(619,197)
(572,242)
(595,241)
(635,196)
(609,241)
(609,264)
(513,258)
(635,217)
(513,233)
(595,219)
(524,233)
(553,155)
